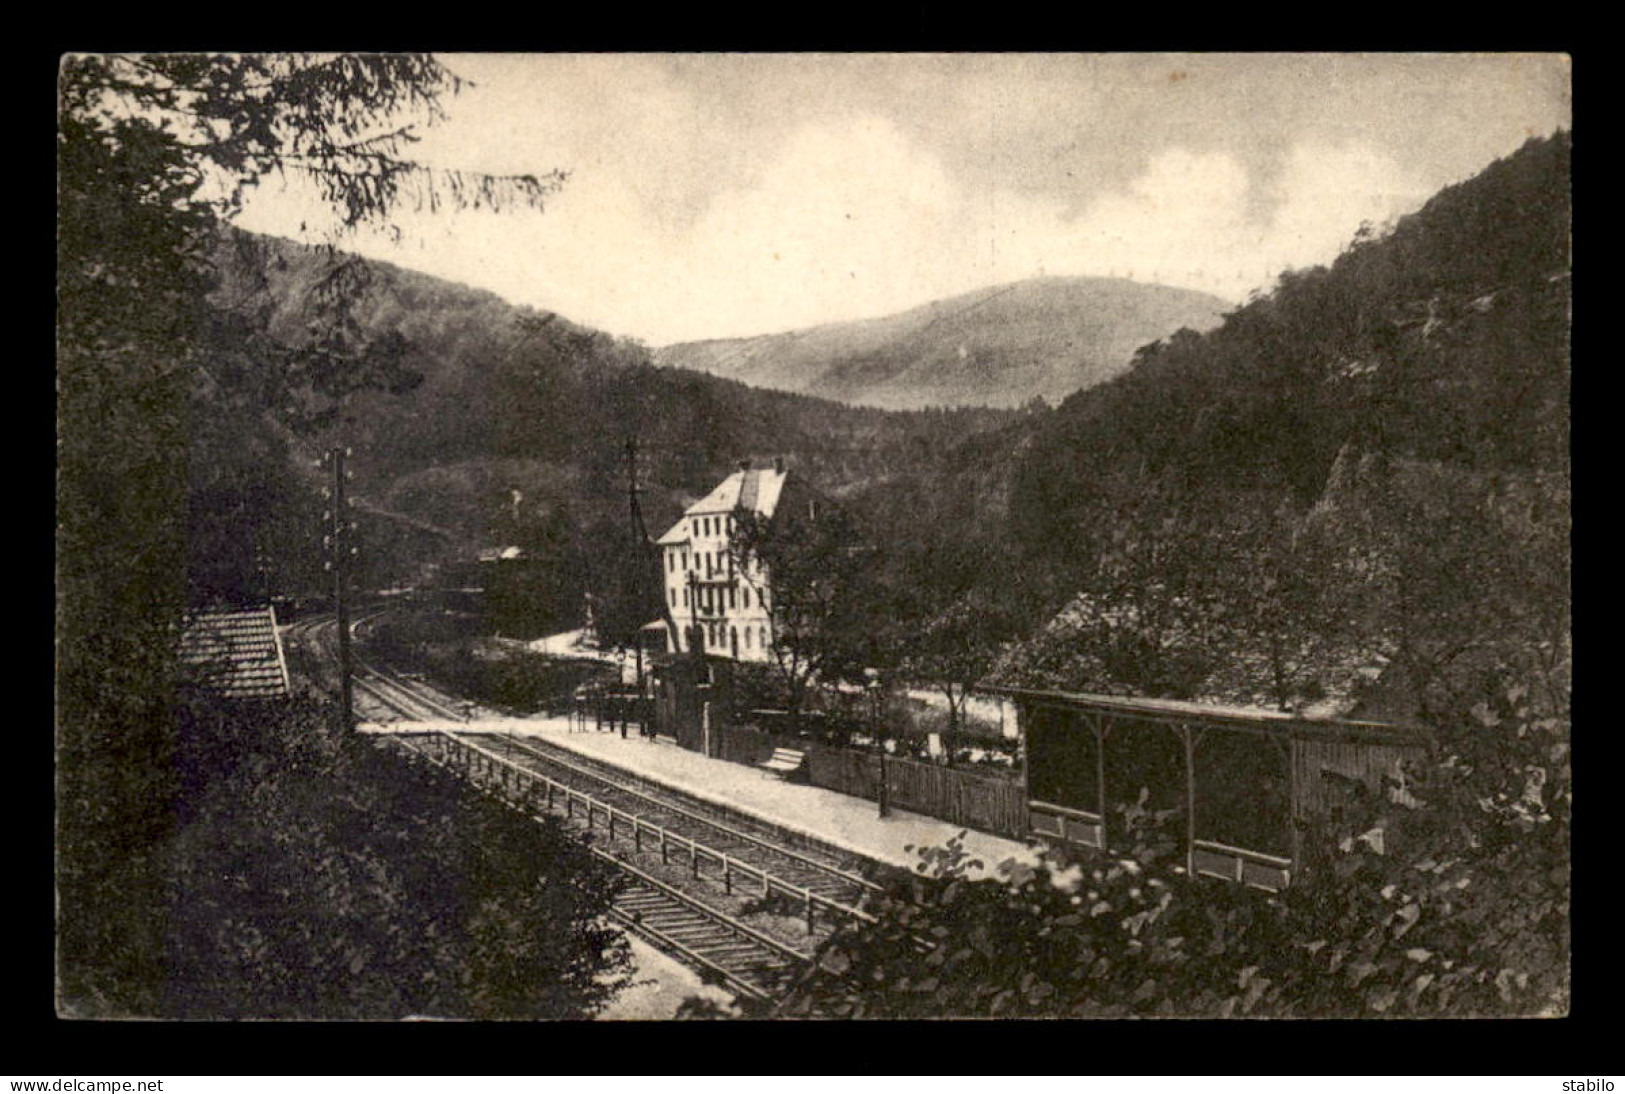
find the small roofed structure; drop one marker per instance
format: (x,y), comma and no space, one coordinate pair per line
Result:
(236,654)
(1241,782)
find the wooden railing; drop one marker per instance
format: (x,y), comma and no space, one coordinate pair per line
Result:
(1070,825)
(1255,868)
(477,762)
(636,924)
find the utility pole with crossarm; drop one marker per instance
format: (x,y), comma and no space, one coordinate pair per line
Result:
(338,543)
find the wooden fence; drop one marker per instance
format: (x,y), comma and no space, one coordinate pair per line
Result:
(988,803)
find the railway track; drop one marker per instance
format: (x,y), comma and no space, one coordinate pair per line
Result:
(841,888)
(693,881)
(824,889)
(835,887)
(749,961)
(858,870)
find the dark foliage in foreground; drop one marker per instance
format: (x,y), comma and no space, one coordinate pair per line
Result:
(171,461)
(1448,900)
(315,875)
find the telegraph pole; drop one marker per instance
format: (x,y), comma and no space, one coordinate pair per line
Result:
(640,539)
(340,548)
(877,716)
(648,555)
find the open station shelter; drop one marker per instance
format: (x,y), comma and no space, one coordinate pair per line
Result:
(1237,783)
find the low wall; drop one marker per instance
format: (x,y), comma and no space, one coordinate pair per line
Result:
(743,745)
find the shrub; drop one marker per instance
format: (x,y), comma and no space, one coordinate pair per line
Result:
(321,876)
(1458,908)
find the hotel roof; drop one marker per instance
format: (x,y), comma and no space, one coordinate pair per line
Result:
(755,489)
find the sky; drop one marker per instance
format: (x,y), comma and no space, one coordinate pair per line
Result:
(724,195)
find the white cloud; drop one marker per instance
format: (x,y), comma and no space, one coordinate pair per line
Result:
(1176,223)
(1193,220)
(1325,192)
(848,218)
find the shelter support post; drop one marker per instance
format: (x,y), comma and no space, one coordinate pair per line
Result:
(1188,736)
(1098,725)
(1294,830)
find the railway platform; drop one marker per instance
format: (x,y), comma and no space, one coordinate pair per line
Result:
(847,823)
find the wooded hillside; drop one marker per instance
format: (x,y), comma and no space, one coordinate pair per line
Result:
(1371,451)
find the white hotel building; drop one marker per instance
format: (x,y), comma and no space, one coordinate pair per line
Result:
(703,586)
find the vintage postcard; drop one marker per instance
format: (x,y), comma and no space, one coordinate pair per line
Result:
(805,536)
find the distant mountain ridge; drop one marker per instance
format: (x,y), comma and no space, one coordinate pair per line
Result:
(1001,346)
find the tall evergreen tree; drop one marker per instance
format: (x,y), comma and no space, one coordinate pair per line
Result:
(154,154)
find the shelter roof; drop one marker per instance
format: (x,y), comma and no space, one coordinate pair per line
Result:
(1261,718)
(237,654)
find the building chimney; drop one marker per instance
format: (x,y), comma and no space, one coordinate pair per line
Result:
(744,465)
(778,464)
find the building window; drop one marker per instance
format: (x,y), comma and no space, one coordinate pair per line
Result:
(674,598)
(748,637)
(744,598)
(731,598)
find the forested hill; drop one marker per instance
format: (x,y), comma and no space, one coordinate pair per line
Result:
(1000,346)
(1352,495)
(1443,341)
(475,399)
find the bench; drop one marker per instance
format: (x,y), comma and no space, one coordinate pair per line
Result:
(784,761)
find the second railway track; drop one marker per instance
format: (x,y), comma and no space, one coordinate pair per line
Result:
(748,960)
(722,899)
